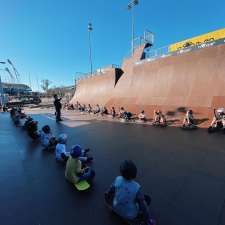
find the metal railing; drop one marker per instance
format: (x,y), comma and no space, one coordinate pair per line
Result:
(152,54)
(155,53)
(81,75)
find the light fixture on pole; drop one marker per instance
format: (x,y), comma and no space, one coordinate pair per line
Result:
(90,29)
(131,8)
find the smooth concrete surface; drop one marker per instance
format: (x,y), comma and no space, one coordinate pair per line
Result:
(184,172)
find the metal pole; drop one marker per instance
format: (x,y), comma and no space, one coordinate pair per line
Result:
(1,91)
(131,8)
(90,49)
(132,24)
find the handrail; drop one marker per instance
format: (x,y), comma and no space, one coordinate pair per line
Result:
(81,75)
(154,54)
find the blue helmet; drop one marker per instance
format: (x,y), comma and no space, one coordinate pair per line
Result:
(76,151)
(62,138)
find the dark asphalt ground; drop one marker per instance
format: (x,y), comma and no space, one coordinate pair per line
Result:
(183,171)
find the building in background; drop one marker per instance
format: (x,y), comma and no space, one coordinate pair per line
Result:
(13,89)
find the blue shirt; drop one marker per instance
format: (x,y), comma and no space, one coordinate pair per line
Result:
(124,202)
(45,138)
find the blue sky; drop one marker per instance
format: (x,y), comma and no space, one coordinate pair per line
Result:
(49,38)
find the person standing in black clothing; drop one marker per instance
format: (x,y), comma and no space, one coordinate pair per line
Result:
(58,107)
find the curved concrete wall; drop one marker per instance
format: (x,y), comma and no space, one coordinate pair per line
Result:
(195,79)
(97,89)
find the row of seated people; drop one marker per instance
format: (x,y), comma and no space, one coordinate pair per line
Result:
(51,143)
(159,117)
(189,122)
(123,195)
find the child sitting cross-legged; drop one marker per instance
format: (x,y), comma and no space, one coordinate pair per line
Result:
(74,169)
(125,198)
(62,154)
(48,141)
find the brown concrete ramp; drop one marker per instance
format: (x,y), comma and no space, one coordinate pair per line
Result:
(97,89)
(190,80)
(195,79)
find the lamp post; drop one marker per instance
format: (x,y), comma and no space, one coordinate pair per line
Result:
(90,29)
(1,89)
(131,9)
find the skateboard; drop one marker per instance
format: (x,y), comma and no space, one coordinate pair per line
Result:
(82,185)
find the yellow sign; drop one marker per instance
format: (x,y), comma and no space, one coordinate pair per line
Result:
(212,36)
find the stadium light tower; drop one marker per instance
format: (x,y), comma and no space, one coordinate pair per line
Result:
(1,89)
(90,29)
(131,6)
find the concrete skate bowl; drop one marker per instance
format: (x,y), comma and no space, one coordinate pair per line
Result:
(173,84)
(97,89)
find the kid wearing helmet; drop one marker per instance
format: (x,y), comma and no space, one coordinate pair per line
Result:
(61,154)
(48,141)
(74,171)
(125,198)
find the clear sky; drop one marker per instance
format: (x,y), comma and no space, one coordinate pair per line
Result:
(49,38)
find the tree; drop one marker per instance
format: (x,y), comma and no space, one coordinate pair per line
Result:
(45,84)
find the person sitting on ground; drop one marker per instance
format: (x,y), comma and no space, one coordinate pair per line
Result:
(142,116)
(48,141)
(72,107)
(77,106)
(61,154)
(89,108)
(15,115)
(32,129)
(97,109)
(22,115)
(127,115)
(74,171)
(66,105)
(104,111)
(121,112)
(159,118)
(27,122)
(113,112)
(13,112)
(189,119)
(125,198)
(218,121)
(5,108)
(80,108)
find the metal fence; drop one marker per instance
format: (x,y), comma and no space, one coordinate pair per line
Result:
(81,76)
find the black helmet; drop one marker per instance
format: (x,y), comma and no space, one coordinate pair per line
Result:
(128,170)
(46,129)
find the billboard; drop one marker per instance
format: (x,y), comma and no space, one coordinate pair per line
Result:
(205,38)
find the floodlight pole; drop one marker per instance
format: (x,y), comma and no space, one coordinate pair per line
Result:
(90,29)
(1,89)
(131,8)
